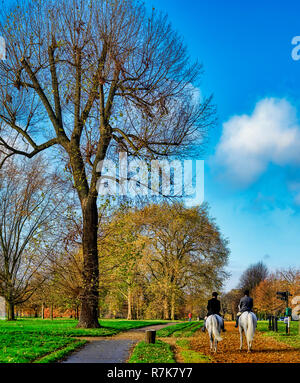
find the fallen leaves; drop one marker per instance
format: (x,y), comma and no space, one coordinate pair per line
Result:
(265,349)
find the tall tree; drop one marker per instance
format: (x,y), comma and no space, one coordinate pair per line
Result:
(94,77)
(253,275)
(230,302)
(185,251)
(121,253)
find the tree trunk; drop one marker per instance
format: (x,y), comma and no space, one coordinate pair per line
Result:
(173,306)
(10,311)
(90,295)
(129,300)
(51,311)
(166,308)
(137,310)
(43,310)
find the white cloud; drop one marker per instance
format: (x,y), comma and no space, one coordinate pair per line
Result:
(250,142)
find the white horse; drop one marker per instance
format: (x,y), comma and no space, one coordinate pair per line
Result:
(213,324)
(247,323)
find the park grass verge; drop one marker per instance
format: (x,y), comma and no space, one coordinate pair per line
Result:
(293,339)
(26,348)
(159,352)
(180,330)
(188,355)
(62,353)
(30,340)
(67,327)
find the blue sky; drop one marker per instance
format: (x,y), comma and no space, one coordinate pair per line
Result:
(252,164)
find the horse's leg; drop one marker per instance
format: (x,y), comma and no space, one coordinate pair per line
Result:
(249,346)
(241,339)
(216,345)
(211,341)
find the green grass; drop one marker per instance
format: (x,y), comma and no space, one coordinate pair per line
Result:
(67,327)
(188,355)
(158,352)
(180,330)
(183,343)
(25,348)
(292,340)
(60,354)
(29,340)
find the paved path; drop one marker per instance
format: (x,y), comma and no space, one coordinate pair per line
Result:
(111,350)
(103,351)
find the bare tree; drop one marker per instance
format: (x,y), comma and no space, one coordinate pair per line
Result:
(253,275)
(92,78)
(27,212)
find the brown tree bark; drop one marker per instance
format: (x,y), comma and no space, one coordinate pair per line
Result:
(10,311)
(166,309)
(173,306)
(129,301)
(90,296)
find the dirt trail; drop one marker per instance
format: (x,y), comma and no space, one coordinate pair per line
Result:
(265,349)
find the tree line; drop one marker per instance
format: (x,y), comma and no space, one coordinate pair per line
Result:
(155,260)
(263,286)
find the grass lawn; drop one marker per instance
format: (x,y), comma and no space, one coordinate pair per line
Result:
(293,339)
(159,352)
(37,340)
(183,331)
(188,355)
(186,329)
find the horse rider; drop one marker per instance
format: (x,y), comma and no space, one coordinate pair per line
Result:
(246,304)
(213,307)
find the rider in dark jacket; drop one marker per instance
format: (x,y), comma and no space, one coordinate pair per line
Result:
(213,307)
(246,304)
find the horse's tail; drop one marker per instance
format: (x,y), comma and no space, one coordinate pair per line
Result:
(251,325)
(215,329)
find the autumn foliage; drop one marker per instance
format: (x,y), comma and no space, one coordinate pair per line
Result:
(265,299)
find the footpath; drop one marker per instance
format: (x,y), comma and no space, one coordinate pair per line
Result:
(111,350)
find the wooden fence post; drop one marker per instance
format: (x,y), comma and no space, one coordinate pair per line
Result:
(150,336)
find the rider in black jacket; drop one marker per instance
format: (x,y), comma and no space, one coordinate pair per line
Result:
(213,307)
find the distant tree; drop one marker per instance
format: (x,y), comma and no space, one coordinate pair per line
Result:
(264,294)
(121,253)
(252,276)
(290,278)
(185,251)
(230,302)
(28,210)
(65,282)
